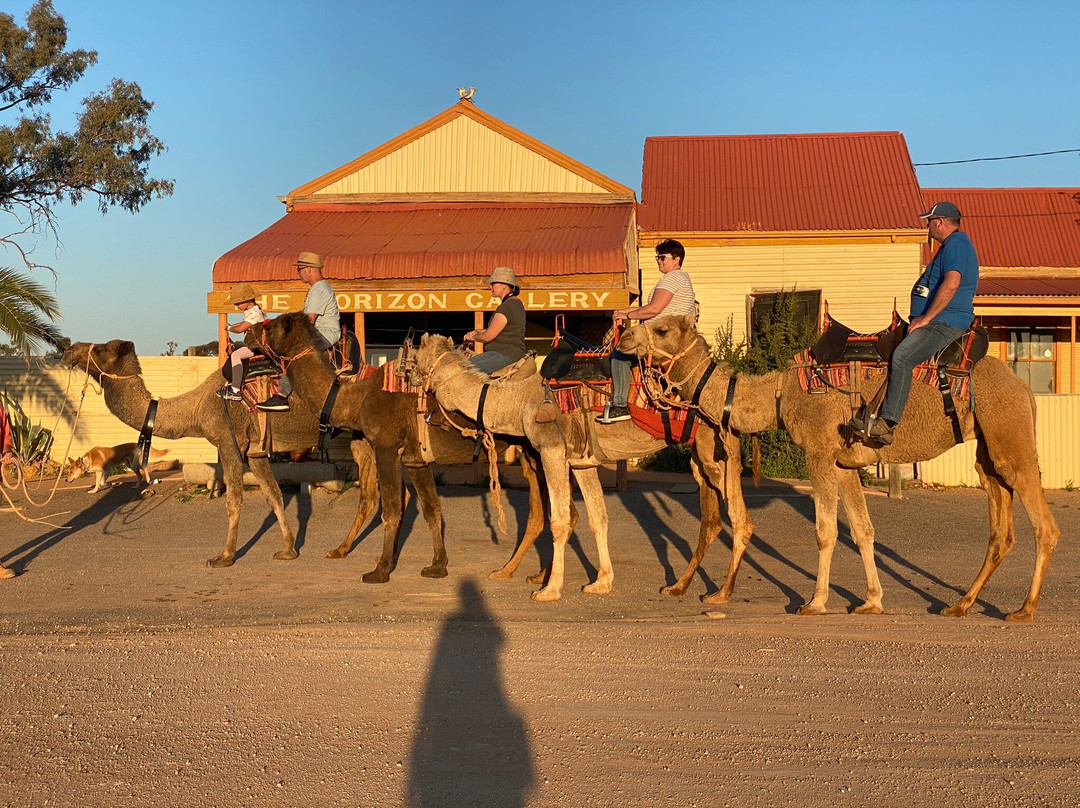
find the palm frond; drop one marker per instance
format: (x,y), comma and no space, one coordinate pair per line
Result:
(27,309)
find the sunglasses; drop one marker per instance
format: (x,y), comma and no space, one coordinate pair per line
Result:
(663,257)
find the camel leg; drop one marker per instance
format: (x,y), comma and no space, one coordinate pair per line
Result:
(232,472)
(823,474)
(366,481)
(593,492)
(431,508)
(1047,533)
(390,493)
(260,467)
(862,529)
(557,473)
(539,515)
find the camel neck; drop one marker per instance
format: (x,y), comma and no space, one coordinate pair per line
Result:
(753,407)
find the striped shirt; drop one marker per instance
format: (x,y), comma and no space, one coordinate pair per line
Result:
(682,293)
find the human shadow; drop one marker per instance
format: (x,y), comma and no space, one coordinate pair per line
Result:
(471,746)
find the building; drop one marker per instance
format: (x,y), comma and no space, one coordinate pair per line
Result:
(1028,242)
(410,230)
(832,216)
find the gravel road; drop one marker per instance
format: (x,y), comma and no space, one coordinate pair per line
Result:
(133,675)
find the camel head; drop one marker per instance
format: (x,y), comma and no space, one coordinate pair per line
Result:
(664,336)
(116,357)
(420,361)
(290,334)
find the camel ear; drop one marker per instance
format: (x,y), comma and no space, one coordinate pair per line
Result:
(424,339)
(120,347)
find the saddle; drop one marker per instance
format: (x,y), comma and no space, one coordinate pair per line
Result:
(840,344)
(574,360)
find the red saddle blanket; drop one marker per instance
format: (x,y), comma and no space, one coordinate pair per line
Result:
(673,426)
(815,378)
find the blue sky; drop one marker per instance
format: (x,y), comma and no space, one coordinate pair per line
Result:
(256,98)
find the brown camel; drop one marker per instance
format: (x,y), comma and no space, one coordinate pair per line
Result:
(1003,425)
(199,413)
(575,443)
(388,422)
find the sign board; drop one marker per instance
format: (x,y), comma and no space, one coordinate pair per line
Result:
(429,301)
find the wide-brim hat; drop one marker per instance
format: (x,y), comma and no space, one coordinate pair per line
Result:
(309,259)
(240,293)
(943,210)
(503,275)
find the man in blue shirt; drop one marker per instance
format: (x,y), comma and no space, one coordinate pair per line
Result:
(942,309)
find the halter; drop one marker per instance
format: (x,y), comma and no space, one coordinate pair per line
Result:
(282,360)
(656,375)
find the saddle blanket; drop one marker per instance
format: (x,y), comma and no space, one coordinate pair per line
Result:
(815,378)
(668,425)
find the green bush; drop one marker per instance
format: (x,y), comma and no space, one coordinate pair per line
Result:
(32,442)
(778,336)
(670,458)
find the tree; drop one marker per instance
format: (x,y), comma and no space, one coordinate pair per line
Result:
(106,155)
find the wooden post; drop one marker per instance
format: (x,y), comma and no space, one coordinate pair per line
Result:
(620,475)
(478,324)
(896,482)
(222,338)
(361,335)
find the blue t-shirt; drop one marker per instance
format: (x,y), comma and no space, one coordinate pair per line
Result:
(956,254)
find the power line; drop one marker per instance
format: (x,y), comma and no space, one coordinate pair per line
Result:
(987,159)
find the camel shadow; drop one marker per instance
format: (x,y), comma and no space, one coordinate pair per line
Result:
(303,516)
(471,745)
(101,509)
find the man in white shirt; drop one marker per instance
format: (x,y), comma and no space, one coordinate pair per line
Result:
(321,307)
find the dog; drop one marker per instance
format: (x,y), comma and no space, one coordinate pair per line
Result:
(102,459)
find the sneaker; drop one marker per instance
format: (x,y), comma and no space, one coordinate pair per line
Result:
(274,404)
(857,425)
(880,433)
(230,393)
(613,414)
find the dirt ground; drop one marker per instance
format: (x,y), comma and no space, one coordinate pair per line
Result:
(133,675)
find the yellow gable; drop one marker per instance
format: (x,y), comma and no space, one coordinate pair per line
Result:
(462,151)
(462,156)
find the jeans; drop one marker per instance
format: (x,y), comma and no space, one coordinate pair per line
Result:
(490,361)
(622,368)
(914,349)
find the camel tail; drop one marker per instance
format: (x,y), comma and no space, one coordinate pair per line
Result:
(755,454)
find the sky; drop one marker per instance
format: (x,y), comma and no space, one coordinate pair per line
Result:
(253,99)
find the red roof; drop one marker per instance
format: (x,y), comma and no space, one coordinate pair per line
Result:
(435,240)
(1029,287)
(1018,227)
(837,181)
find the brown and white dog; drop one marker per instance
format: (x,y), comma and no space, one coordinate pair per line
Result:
(102,459)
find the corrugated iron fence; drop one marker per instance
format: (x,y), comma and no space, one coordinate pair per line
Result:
(50,395)
(1059,448)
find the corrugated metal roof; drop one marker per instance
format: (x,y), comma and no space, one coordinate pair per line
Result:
(832,181)
(431,240)
(1018,227)
(1029,287)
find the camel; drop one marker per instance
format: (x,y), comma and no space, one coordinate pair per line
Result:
(388,422)
(199,413)
(1003,425)
(575,443)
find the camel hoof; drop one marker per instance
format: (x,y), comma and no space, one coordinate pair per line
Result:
(376,576)
(955,611)
(546,595)
(434,571)
(6,573)
(1019,617)
(868,608)
(538,578)
(286,555)
(502,574)
(337,552)
(717,598)
(673,591)
(147,493)
(597,588)
(220,561)
(810,609)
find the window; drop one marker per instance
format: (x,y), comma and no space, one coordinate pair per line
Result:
(763,308)
(1030,354)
